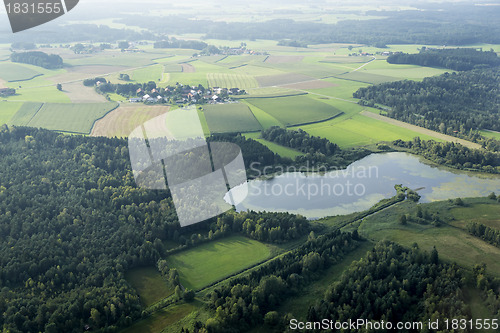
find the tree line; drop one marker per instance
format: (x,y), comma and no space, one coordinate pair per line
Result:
(460,59)
(453,154)
(456,104)
(38,58)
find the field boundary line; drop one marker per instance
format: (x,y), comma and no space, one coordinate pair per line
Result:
(366,63)
(317,121)
(104,115)
(34,114)
(421,130)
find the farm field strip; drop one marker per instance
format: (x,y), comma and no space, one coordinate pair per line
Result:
(13,72)
(230,255)
(8,110)
(295,110)
(73,118)
(224,80)
(422,130)
(274,147)
(228,118)
(124,119)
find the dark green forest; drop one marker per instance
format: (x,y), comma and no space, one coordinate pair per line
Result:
(456,104)
(397,285)
(72,222)
(37,58)
(461,59)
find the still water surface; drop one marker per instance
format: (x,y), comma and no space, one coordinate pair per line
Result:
(361,185)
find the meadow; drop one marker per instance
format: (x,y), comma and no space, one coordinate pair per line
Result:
(295,110)
(149,284)
(16,72)
(224,80)
(234,117)
(7,110)
(230,255)
(73,118)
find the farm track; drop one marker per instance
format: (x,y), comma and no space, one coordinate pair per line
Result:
(421,130)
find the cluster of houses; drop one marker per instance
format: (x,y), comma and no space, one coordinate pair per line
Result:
(184,94)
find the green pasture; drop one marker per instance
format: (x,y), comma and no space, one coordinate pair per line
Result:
(265,119)
(117,58)
(46,94)
(257,70)
(210,262)
(149,284)
(295,110)
(229,118)
(17,72)
(74,118)
(274,147)
(342,89)
(363,76)
(146,74)
(224,80)
(453,244)
(25,113)
(172,68)
(491,134)
(282,79)
(487,214)
(358,130)
(7,110)
(192,79)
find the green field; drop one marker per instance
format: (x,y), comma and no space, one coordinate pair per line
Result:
(358,130)
(224,80)
(7,110)
(45,94)
(172,68)
(487,214)
(25,113)
(274,147)
(295,110)
(207,263)
(14,72)
(149,284)
(230,118)
(265,119)
(363,76)
(74,118)
(491,134)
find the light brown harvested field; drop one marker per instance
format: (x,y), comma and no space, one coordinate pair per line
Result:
(283,59)
(282,79)
(124,119)
(96,69)
(78,93)
(2,84)
(315,84)
(421,130)
(188,68)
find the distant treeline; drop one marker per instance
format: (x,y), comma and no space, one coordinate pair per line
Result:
(455,104)
(460,59)
(432,26)
(37,58)
(454,155)
(174,43)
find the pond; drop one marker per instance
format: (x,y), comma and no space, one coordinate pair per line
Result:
(361,185)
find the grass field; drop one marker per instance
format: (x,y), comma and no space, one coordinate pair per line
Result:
(358,130)
(74,118)
(149,284)
(228,118)
(224,80)
(48,94)
(282,79)
(16,72)
(363,76)
(7,110)
(207,263)
(274,147)
(491,134)
(295,110)
(265,119)
(25,113)
(487,214)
